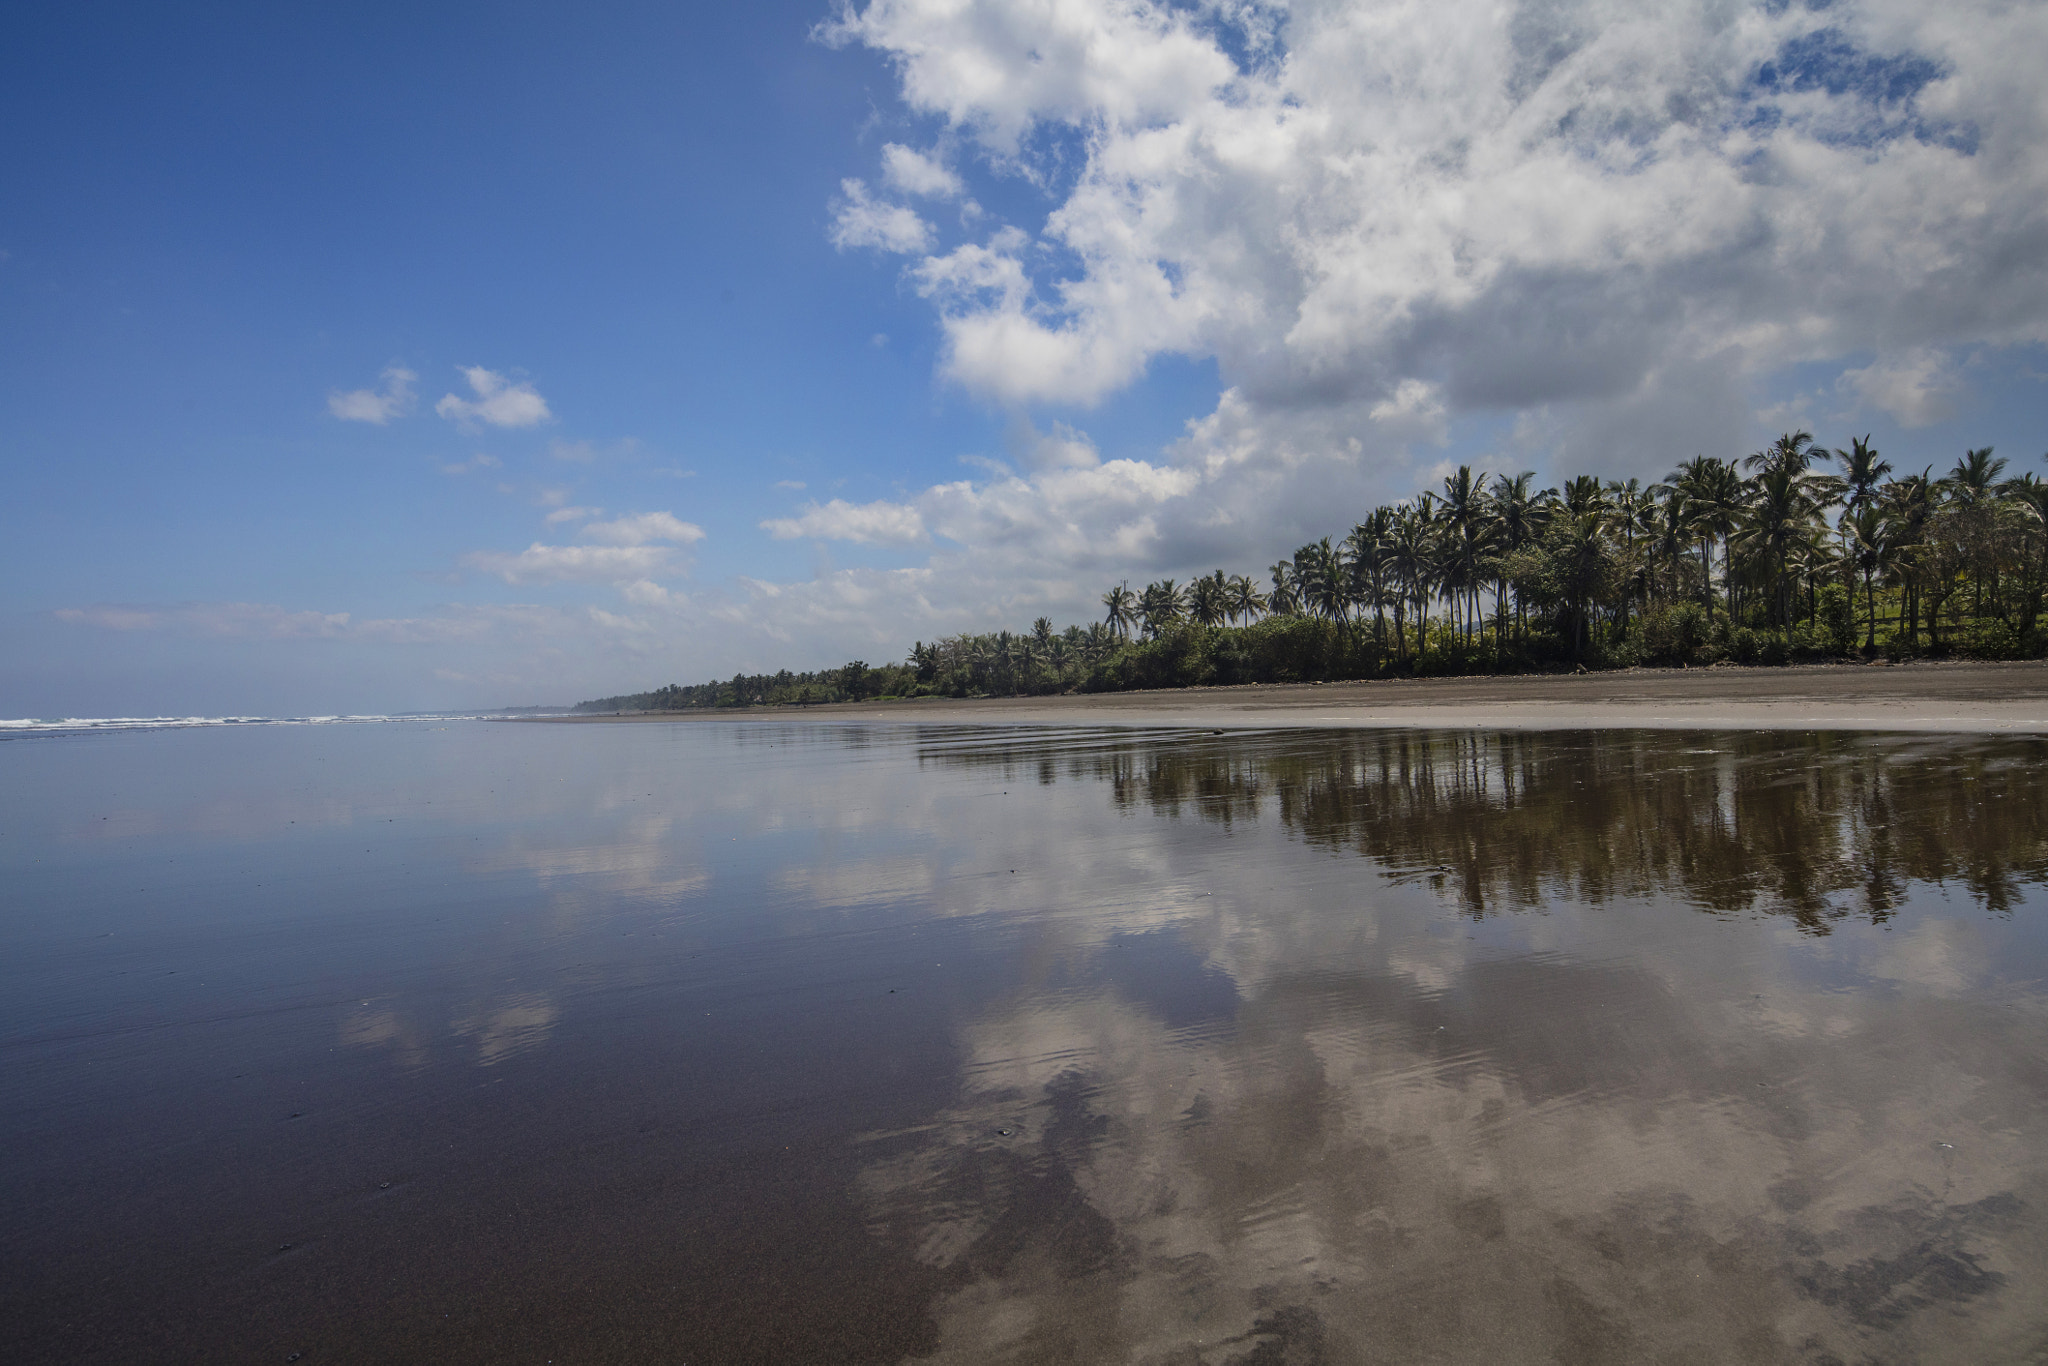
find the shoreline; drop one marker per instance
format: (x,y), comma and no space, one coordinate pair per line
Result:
(1964,696)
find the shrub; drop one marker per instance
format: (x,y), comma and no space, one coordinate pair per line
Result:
(1994,639)
(1838,634)
(1674,635)
(1807,642)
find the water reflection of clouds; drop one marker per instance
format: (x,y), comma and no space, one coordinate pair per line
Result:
(497,1029)
(858,882)
(509,1027)
(648,860)
(1616,1135)
(1344,1047)
(1345,1162)
(382,1026)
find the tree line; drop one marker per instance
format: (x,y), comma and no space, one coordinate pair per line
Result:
(1792,553)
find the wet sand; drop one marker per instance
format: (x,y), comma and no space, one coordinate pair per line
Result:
(1966,697)
(860,1043)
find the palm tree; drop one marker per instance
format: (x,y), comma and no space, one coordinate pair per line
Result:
(1411,559)
(1862,472)
(1866,529)
(1003,658)
(1366,562)
(1909,506)
(1246,601)
(1209,599)
(1780,514)
(1320,573)
(2030,496)
(1583,495)
(1584,561)
(1518,519)
(1463,521)
(1160,605)
(1285,599)
(1667,534)
(1713,491)
(1790,454)
(1123,610)
(1972,486)
(1972,480)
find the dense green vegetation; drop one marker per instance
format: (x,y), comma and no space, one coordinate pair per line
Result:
(1794,553)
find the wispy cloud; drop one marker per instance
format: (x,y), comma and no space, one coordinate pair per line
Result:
(498,401)
(638,547)
(259,621)
(1919,387)
(540,563)
(376,406)
(475,463)
(641,528)
(877,523)
(861,220)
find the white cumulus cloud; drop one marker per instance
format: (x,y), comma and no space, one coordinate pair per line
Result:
(877,523)
(861,220)
(643,527)
(1607,216)
(496,400)
(376,406)
(919,173)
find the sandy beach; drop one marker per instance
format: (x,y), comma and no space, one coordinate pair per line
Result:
(1972,697)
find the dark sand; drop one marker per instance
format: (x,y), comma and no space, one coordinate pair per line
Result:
(1881,697)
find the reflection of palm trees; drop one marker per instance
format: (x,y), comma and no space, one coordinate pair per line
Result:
(1514,819)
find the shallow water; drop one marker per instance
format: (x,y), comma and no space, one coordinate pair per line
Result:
(759,1042)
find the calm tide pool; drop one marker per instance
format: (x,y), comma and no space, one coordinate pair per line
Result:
(753,1042)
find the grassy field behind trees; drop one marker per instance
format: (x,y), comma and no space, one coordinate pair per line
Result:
(1794,553)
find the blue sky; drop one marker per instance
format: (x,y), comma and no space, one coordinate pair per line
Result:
(814,332)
